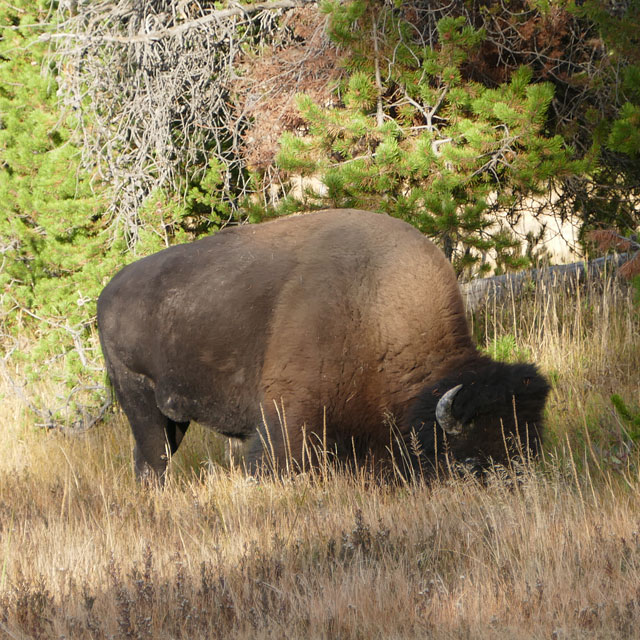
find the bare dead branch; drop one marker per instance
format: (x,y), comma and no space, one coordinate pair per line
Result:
(86,416)
(212,16)
(379,89)
(153,88)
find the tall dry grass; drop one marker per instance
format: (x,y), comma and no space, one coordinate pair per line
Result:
(553,552)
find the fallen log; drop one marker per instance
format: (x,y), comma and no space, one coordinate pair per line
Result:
(478,292)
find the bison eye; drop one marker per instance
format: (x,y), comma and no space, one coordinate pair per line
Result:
(526,381)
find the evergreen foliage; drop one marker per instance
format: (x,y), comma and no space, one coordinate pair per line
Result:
(422,141)
(606,124)
(55,256)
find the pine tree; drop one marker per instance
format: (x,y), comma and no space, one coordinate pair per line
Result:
(418,140)
(607,122)
(55,256)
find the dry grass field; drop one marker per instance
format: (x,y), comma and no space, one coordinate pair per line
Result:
(552,552)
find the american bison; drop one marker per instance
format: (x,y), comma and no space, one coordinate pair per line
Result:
(340,318)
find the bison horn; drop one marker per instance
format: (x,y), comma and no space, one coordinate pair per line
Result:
(443,413)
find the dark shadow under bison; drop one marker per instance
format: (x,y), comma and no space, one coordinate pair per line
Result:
(342,318)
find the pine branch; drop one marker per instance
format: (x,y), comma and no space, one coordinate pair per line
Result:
(436,106)
(606,239)
(631,268)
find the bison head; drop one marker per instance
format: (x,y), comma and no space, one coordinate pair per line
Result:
(488,412)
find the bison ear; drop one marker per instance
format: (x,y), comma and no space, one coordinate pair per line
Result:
(445,417)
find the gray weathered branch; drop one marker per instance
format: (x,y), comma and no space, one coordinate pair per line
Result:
(477,292)
(213,16)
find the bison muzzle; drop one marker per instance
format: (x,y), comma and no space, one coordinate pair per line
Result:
(340,317)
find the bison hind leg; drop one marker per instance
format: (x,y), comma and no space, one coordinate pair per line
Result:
(156,435)
(151,459)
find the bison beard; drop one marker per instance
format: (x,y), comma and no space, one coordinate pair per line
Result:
(342,317)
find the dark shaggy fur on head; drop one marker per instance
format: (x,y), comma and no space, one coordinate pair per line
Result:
(498,403)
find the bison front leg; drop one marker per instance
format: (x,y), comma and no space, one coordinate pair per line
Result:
(287,441)
(266,450)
